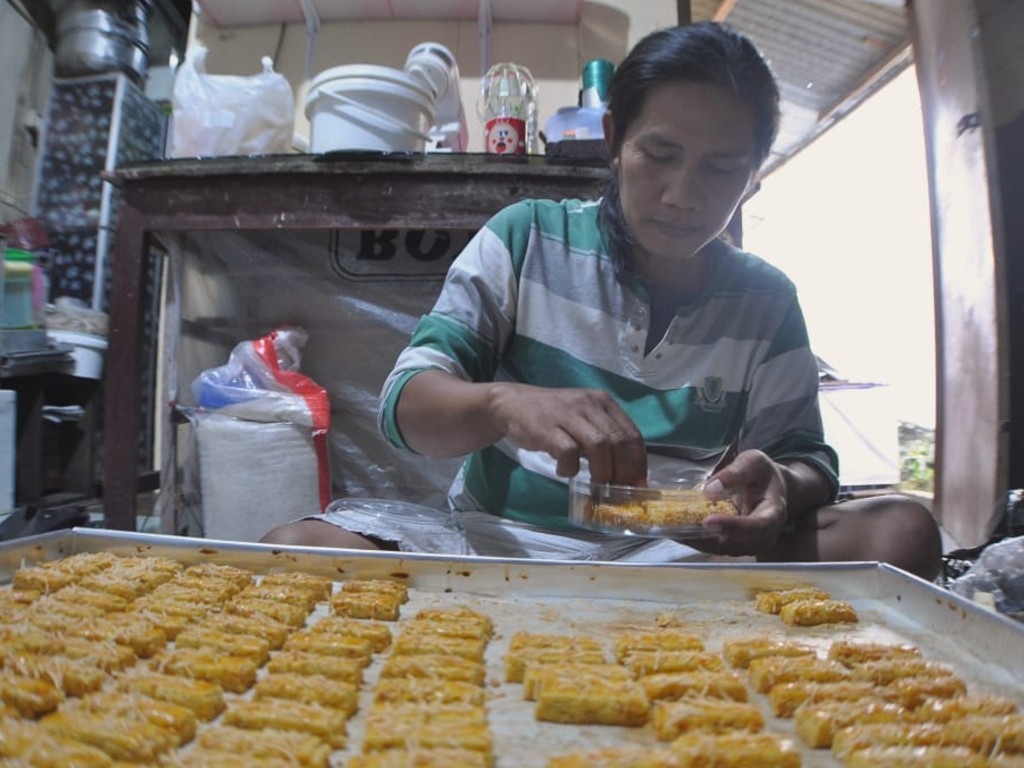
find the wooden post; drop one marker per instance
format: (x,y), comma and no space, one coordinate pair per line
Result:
(684,12)
(121,403)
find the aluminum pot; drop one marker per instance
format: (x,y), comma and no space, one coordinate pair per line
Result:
(93,38)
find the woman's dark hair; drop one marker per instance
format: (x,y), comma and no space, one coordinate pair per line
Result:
(704,52)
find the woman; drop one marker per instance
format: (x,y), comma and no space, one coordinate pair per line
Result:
(625,340)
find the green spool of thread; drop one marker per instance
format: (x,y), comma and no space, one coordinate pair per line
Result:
(597,76)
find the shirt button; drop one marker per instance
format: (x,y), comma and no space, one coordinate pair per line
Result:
(636,348)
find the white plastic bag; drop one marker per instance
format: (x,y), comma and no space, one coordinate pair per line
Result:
(215,115)
(260,382)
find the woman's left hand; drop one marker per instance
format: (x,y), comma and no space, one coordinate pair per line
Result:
(756,485)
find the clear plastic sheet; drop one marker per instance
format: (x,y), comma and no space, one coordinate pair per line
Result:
(358,295)
(431,530)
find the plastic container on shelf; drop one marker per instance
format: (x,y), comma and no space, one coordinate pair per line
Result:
(87,350)
(583,122)
(575,124)
(19,310)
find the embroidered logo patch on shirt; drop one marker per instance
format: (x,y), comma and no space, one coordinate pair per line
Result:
(710,395)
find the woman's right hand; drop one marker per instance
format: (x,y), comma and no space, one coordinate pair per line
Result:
(442,415)
(570,425)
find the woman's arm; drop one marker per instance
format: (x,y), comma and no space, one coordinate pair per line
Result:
(442,415)
(807,489)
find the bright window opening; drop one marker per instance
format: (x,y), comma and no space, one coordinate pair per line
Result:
(848,220)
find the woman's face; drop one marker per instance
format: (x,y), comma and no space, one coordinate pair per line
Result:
(684,164)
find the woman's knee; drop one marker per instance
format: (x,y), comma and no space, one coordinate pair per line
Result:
(920,519)
(907,533)
(910,518)
(289,534)
(315,533)
(894,529)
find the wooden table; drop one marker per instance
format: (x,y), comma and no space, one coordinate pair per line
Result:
(300,192)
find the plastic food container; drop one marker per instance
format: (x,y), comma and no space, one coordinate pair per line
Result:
(575,124)
(676,511)
(87,350)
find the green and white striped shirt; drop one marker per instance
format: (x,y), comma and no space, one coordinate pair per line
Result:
(534,299)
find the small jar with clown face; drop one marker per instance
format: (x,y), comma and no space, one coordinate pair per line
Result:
(505,136)
(508,107)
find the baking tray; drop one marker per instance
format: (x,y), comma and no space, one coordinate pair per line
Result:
(713,599)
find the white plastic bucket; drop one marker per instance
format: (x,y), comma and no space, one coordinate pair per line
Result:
(87,350)
(366,107)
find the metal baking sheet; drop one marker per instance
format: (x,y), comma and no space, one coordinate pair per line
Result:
(600,599)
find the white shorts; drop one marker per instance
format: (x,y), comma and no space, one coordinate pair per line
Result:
(415,528)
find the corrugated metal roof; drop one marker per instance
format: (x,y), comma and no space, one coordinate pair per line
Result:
(827,55)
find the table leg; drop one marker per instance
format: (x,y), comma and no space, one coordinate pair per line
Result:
(121,403)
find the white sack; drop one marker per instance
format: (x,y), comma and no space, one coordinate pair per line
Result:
(254,476)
